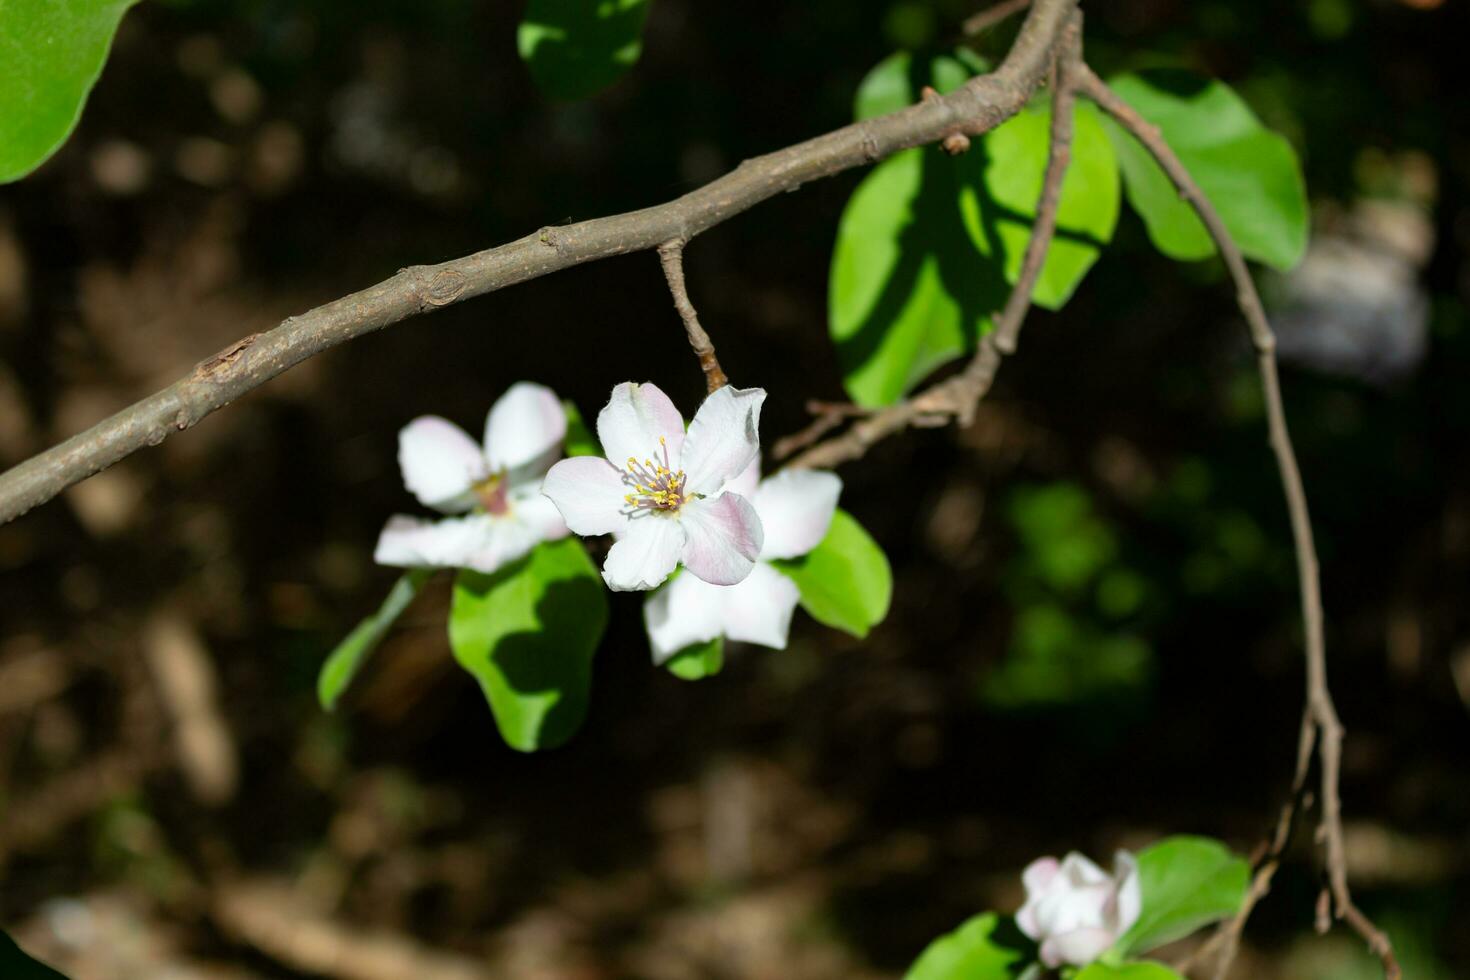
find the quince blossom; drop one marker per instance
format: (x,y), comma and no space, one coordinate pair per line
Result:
(795,508)
(660,489)
(1075,910)
(496,486)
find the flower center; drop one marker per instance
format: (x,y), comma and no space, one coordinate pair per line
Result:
(656,487)
(491,494)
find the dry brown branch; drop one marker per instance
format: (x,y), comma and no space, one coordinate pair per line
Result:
(1320,726)
(984,20)
(957,397)
(671,257)
(980,105)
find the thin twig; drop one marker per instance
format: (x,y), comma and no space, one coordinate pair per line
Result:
(958,396)
(1320,709)
(671,257)
(979,105)
(983,21)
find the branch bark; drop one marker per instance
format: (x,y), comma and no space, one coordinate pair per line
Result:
(1320,725)
(671,257)
(979,105)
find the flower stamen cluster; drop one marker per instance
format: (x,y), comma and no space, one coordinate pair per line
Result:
(656,487)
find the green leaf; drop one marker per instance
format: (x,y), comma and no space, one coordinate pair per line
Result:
(699,661)
(1087,213)
(528,634)
(16,964)
(1128,971)
(579,441)
(343,663)
(53,51)
(845,581)
(1249,173)
(895,82)
(576,48)
(974,951)
(1187,882)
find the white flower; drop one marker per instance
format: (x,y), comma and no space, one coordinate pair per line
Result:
(497,487)
(1075,910)
(795,508)
(659,490)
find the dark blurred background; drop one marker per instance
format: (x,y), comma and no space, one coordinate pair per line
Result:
(1094,635)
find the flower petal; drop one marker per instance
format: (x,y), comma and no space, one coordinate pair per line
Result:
(1078,947)
(723,438)
(758,610)
(524,430)
(686,611)
(795,507)
(588,492)
(1078,870)
(645,554)
(440,463)
(479,541)
(633,420)
(724,537)
(1129,904)
(531,507)
(747,480)
(1037,878)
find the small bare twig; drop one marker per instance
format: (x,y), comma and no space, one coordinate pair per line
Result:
(958,396)
(671,257)
(984,20)
(1320,725)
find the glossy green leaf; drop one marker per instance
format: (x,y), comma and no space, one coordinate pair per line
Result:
(1187,882)
(528,634)
(16,964)
(1016,154)
(698,661)
(52,52)
(576,48)
(983,948)
(1128,971)
(579,441)
(845,581)
(1249,173)
(343,663)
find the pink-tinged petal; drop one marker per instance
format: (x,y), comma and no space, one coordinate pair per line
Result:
(747,480)
(525,429)
(588,492)
(682,613)
(1078,870)
(1078,948)
(724,538)
(535,510)
(634,419)
(1067,908)
(408,542)
(502,540)
(440,463)
(1129,902)
(645,554)
(1038,875)
(758,610)
(796,507)
(723,438)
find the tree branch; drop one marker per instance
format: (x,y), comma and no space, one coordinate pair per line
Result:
(671,257)
(957,397)
(1321,723)
(981,104)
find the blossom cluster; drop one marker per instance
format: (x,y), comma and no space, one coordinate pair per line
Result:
(668,495)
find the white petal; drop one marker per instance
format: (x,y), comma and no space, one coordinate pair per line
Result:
(634,419)
(1077,869)
(795,508)
(724,537)
(682,613)
(645,554)
(723,438)
(747,480)
(588,491)
(440,463)
(758,610)
(478,541)
(525,429)
(1129,902)
(535,510)
(1077,948)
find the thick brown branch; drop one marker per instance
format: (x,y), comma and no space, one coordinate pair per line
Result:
(979,105)
(1320,709)
(956,397)
(671,257)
